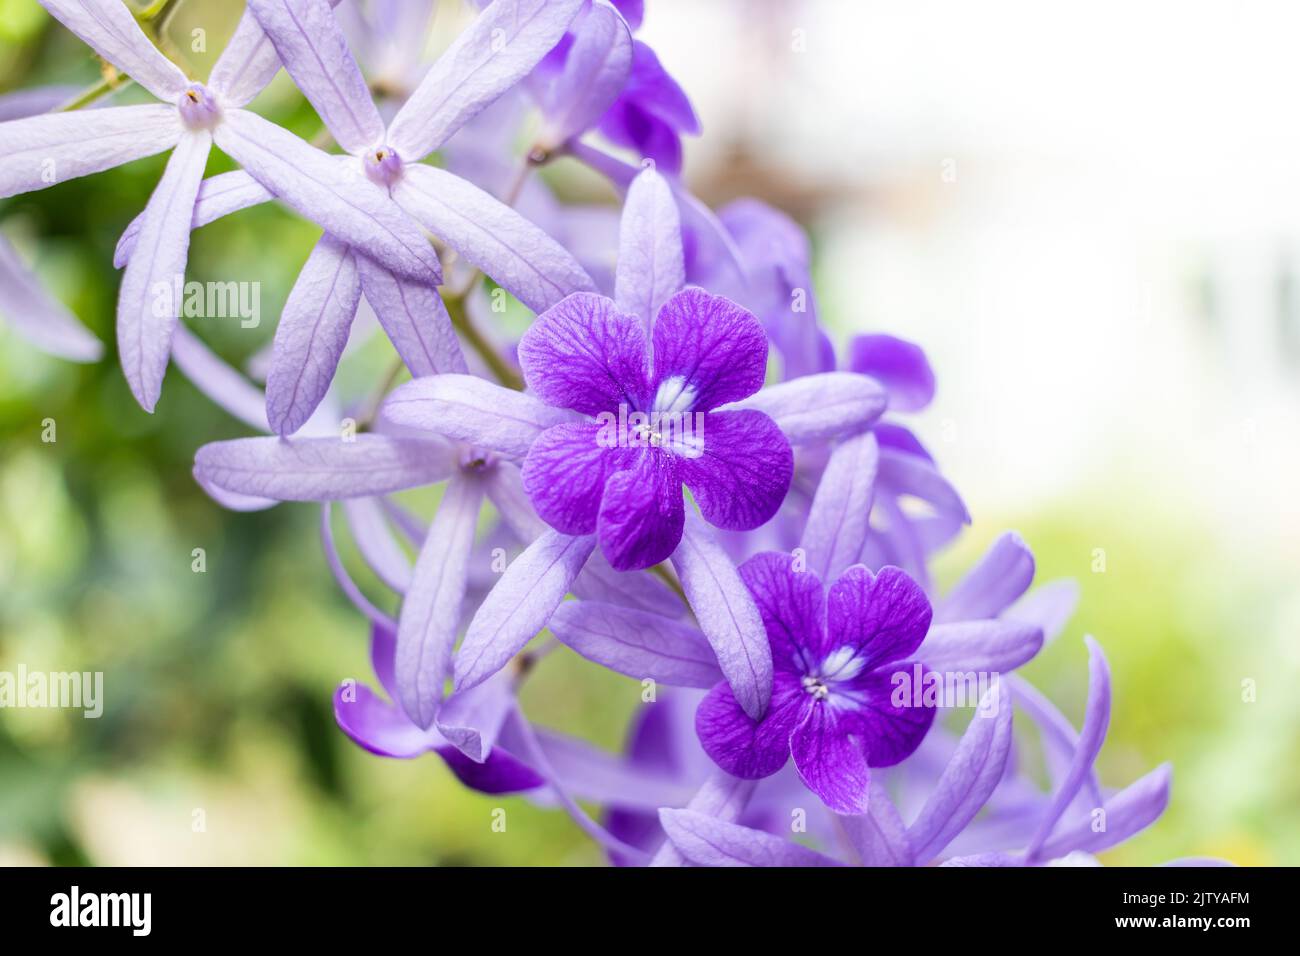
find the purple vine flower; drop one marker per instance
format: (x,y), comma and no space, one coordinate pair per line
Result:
(39,151)
(654,423)
(835,654)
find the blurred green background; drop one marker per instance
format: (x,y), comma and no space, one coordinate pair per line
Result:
(218,684)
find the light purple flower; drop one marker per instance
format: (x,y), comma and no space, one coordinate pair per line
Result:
(498,50)
(42,150)
(832,696)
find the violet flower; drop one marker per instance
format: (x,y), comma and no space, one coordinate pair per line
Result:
(834,655)
(42,150)
(589,356)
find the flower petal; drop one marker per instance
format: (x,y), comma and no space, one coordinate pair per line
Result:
(830,763)
(744,747)
(332,193)
(706,841)
(715,348)
(603,778)
(474,411)
(743,470)
(884,617)
(585,355)
(374,539)
(792,604)
(635,643)
(312,48)
(415,318)
(1096,720)
(990,646)
(1128,812)
(890,730)
(879,835)
(907,474)
(520,604)
(516,253)
(500,772)
(19,104)
(594,74)
(972,774)
(1002,575)
(246,65)
(721,796)
(650,260)
(219,196)
(498,50)
(838,521)
(430,618)
(321,469)
(377,725)
(39,317)
(51,148)
(641,512)
(727,615)
(473,719)
(108,27)
(598,581)
(823,407)
(149,301)
(312,334)
(1047,606)
(565,475)
(897,364)
(223,385)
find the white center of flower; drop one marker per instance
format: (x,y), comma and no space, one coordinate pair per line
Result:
(840,665)
(675,396)
(816,687)
(671,423)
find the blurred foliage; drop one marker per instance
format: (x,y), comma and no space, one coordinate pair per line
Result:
(218,684)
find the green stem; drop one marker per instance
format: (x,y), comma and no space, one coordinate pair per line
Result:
(462,323)
(377,399)
(111,81)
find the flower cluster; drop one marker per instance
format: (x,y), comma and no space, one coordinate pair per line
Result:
(698,491)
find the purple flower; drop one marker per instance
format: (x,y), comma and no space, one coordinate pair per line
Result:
(654,424)
(832,685)
(652,113)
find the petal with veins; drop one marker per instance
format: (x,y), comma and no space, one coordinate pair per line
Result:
(426,631)
(312,334)
(474,411)
(334,195)
(41,151)
(417,323)
(314,52)
(322,469)
(517,254)
(498,50)
(149,301)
